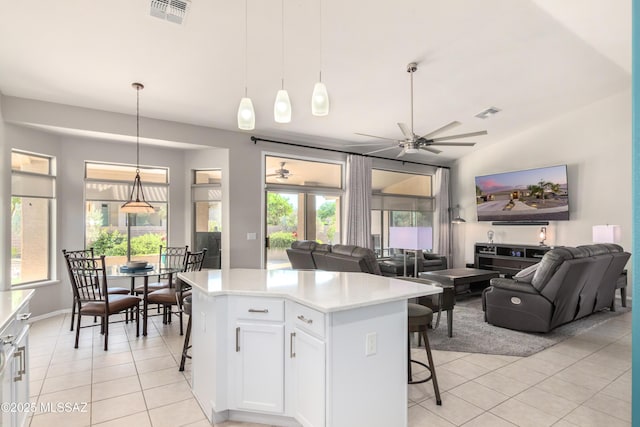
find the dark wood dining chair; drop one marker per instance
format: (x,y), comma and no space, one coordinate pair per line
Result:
(174,296)
(87,253)
(89,281)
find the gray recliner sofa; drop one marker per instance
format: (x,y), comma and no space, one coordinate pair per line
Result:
(306,254)
(567,284)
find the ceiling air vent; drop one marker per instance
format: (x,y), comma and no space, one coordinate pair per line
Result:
(487,113)
(171,10)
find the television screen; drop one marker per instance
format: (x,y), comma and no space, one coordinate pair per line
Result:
(528,195)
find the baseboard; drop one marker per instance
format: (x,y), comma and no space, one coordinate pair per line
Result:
(51,314)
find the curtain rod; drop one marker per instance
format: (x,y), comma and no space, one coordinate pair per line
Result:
(255,140)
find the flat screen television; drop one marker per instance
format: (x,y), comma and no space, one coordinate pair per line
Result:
(527,195)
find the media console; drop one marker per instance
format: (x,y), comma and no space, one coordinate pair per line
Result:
(508,259)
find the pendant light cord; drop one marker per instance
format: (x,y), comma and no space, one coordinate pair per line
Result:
(246,48)
(282,39)
(320,40)
(137,129)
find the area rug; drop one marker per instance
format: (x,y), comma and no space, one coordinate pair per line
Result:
(472,334)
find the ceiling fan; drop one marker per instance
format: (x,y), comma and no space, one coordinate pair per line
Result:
(413,143)
(282,173)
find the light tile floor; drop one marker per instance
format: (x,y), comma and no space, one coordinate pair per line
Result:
(583,381)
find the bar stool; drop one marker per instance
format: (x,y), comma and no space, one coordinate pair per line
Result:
(186,307)
(420,318)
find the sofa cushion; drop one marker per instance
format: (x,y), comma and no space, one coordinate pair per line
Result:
(369,258)
(526,275)
(550,262)
(343,249)
(305,245)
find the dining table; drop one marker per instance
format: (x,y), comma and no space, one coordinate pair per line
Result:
(122,271)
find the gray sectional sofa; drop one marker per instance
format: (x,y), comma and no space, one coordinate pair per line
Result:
(567,284)
(309,255)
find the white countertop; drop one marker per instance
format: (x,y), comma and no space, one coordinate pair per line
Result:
(11,302)
(326,291)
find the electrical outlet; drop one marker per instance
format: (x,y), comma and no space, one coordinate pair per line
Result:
(371,347)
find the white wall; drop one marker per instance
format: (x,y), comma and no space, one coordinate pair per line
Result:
(594,142)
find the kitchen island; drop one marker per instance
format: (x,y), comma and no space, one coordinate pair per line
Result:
(291,348)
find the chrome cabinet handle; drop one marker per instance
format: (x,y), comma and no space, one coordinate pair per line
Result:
(7,339)
(238,339)
(23,316)
(256,310)
(305,320)
(292,353)
(18,353)
(23,360)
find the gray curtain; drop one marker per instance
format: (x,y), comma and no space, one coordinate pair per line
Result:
(358,202)
(442,218)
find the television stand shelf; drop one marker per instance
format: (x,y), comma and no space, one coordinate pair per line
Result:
(508,259)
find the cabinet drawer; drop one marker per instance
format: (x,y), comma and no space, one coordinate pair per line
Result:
(308,319)
(256,308)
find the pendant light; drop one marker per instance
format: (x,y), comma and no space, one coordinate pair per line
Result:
(137,202)
(282,106)
(320,97)
(246,113)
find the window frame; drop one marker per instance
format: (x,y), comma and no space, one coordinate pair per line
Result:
(51,216)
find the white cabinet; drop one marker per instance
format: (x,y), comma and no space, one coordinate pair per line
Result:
(14,372)
(258,354)
(307,378)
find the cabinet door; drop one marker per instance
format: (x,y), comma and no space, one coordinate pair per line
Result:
(259,366)
(308,378)
(20,375)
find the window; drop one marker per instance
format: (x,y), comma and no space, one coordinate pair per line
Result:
(303,203)
(118,235)
(32,202)
(206,194)
(401,211)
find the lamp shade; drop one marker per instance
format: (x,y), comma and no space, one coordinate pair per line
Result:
(411,238)
(246,115)
(607,233)
(282,107)
(320,100)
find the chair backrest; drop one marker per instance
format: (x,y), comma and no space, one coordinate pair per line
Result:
(173,256)
(81,253)
(300,255)
(194,260)
(88,277)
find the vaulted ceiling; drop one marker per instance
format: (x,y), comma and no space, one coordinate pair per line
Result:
(533,59)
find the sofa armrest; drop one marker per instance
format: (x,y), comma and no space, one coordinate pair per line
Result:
(512,285)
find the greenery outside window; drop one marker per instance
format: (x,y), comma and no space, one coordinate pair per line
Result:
(120,236)
(32,207)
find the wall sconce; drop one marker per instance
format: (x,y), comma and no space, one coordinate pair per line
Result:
(543,235)
(457,219)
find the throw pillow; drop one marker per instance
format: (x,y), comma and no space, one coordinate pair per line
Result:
(526,275)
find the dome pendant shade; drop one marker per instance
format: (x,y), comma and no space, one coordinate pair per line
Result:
(320,100)
(246,115)
(282,107)
(136,202)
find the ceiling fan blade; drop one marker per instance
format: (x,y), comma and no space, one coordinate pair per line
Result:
(462,135)
(406,131)
(374,136)
(402,153)
(366,143)
(454,144)
(442,129)
(432,150)
(382,149)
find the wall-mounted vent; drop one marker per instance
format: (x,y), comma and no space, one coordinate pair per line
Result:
(485,114)
(170,10)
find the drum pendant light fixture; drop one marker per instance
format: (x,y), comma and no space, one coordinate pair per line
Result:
(246,113)
(282,106)
(137,202)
